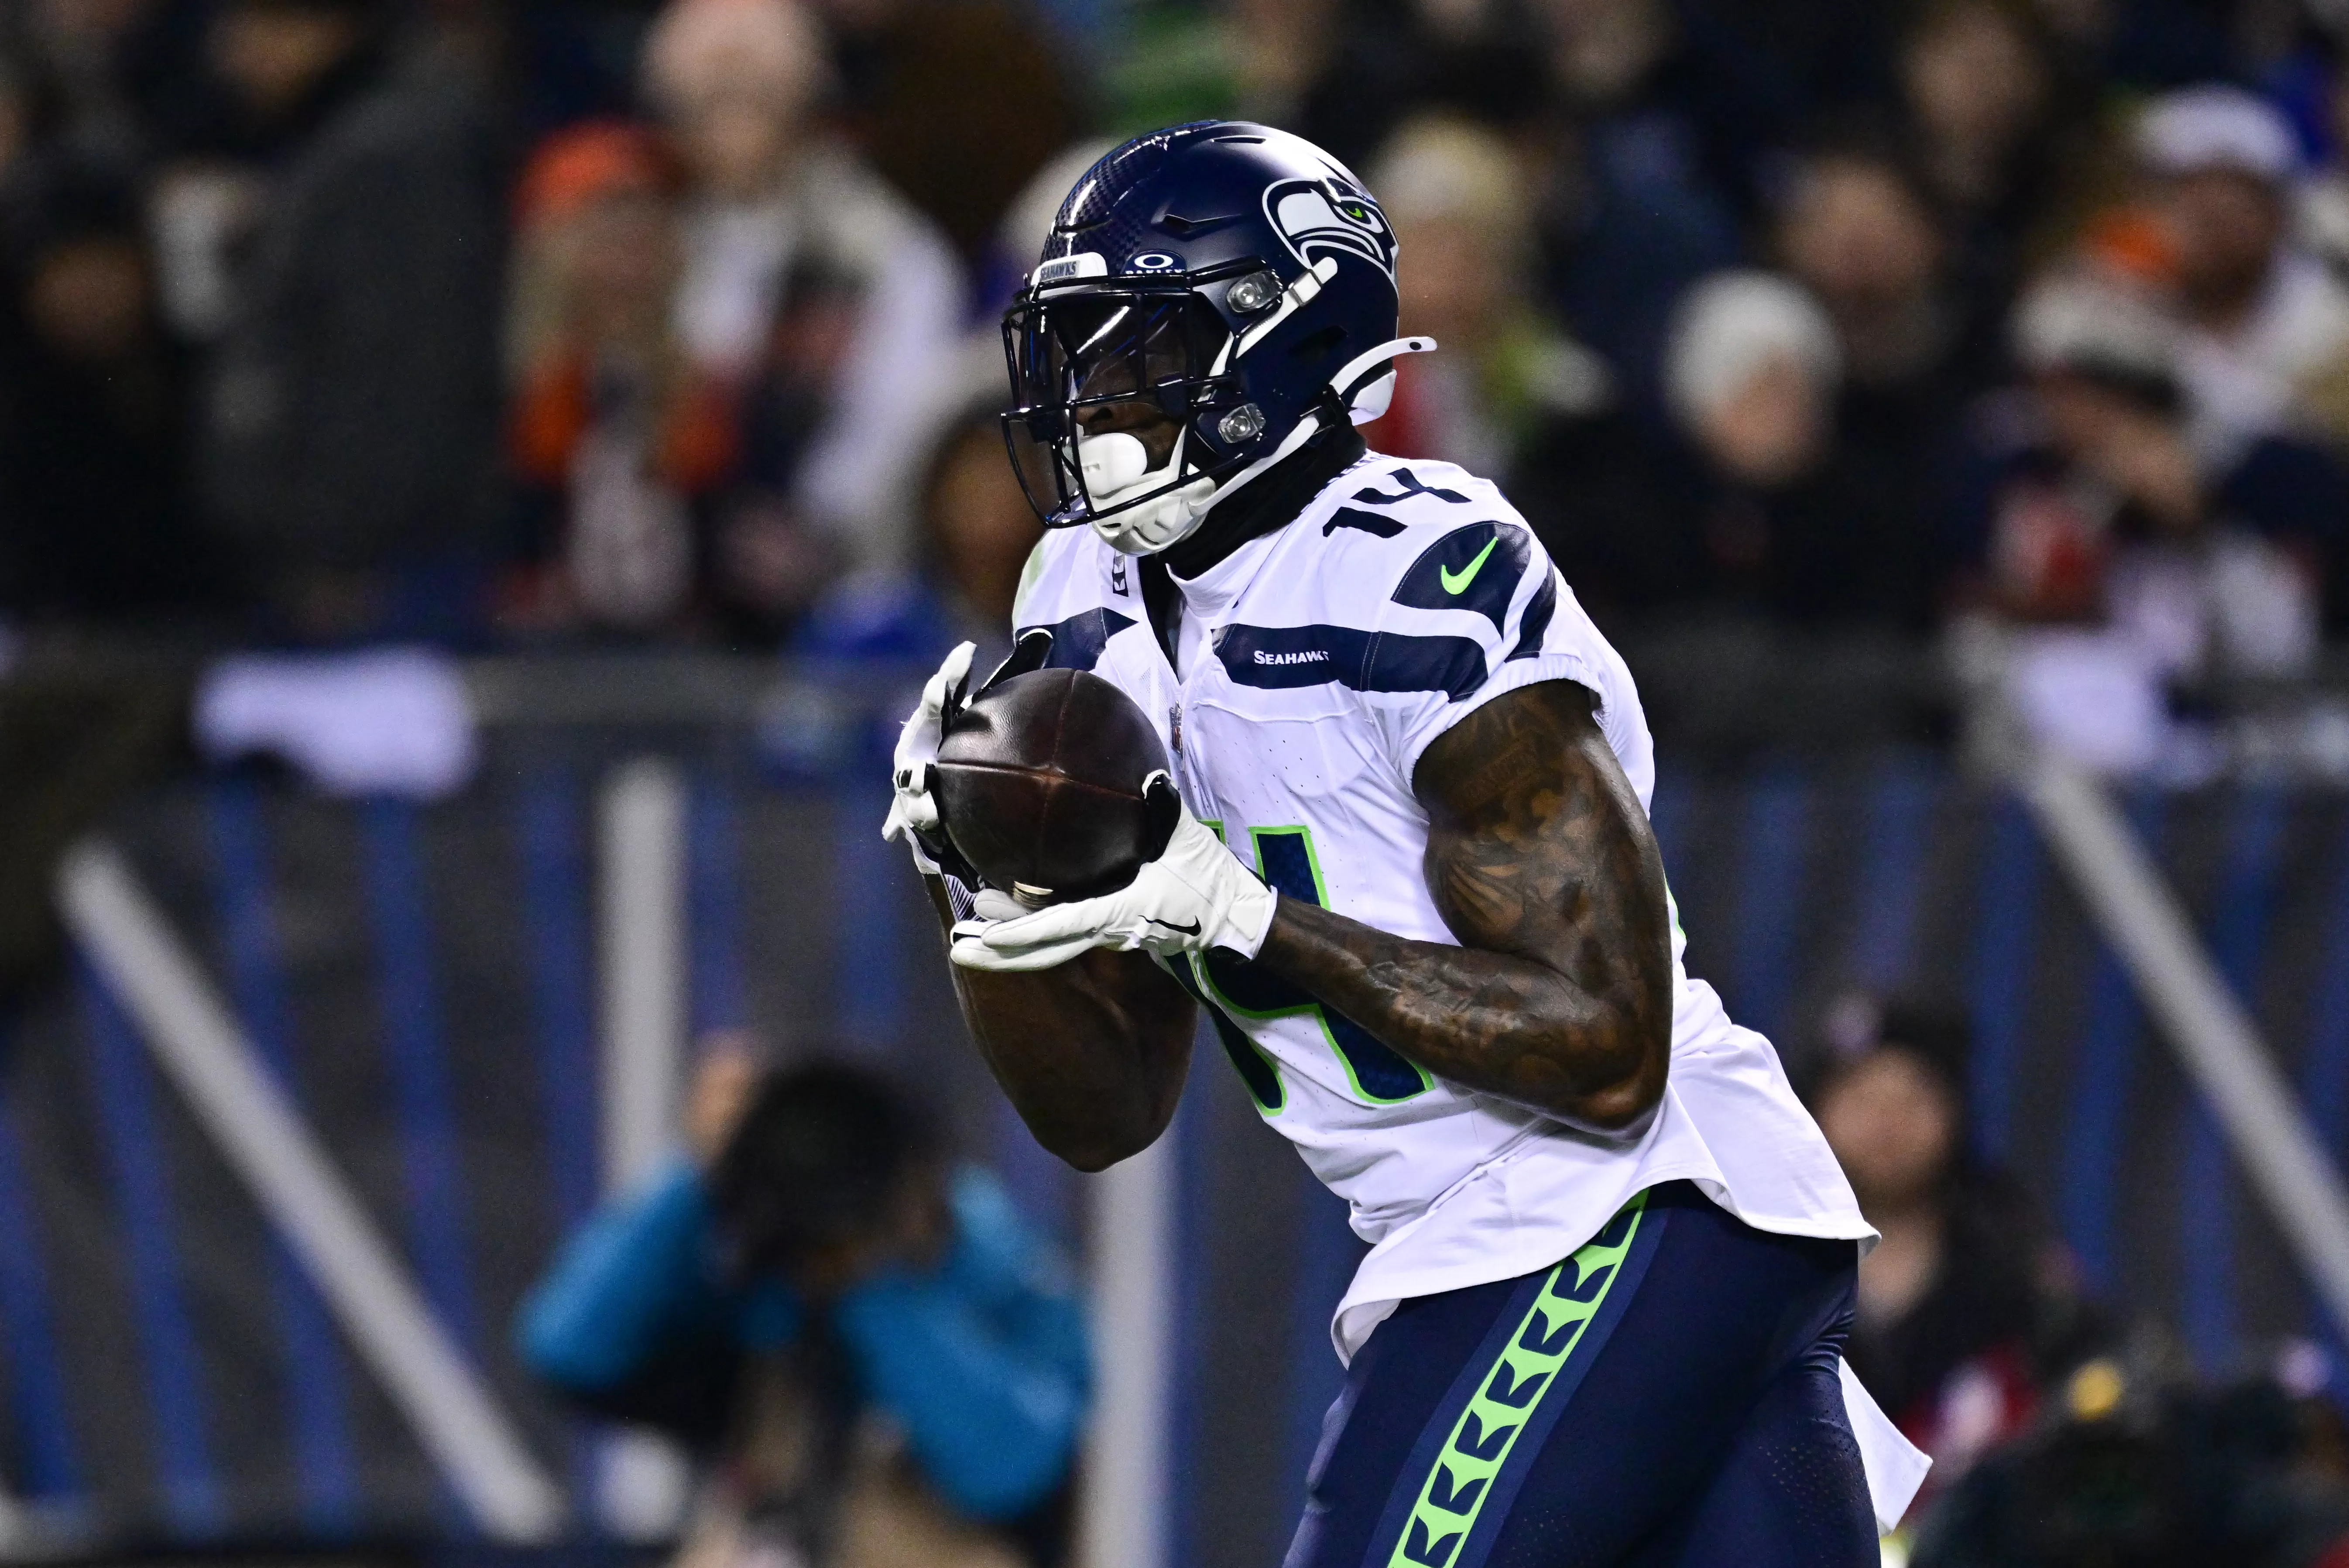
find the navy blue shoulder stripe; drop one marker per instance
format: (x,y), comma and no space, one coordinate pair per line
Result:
(1286,657)
(1474,568)
(1534,626)
(1078,642)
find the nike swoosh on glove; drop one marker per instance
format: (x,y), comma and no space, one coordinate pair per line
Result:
(1196,896)
(912,813)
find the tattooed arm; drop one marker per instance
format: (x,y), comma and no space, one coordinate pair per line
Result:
(1541,862)
(1092,1054)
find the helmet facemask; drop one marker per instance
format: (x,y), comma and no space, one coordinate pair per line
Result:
(1122,418)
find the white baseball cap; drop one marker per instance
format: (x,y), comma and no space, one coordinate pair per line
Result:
(2199,129)
(1731,326)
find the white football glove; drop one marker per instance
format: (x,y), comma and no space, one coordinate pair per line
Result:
(988,909)
(912,812)
(1196,896)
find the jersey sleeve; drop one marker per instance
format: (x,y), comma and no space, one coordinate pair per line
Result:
(1479,611)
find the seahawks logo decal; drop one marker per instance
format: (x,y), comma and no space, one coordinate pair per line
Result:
(1317,217)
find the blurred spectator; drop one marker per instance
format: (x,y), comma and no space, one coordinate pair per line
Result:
(1503,376)
(95,76)
(1241,59)
(2265,323)
(2317,87)
(1977,82)
(1855,229)
(977,532)
(1966,1308)
(2145,1472)
(1340,74)
(95,519)
(886,1363)
(1634,198)
(977,525)
(1716,89)
(615,430)
(15,118)
(957,103)
(1786,515)
(2004,143)
(1754,370)
(2100,512)
(350,433)
(2140,44)
(808,288)
(265,77)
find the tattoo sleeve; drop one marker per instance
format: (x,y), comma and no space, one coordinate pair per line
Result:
(1541,862)
(1092,1054)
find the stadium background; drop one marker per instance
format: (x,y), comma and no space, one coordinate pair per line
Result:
(1858,361)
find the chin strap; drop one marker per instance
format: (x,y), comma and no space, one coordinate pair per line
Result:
(1366,385)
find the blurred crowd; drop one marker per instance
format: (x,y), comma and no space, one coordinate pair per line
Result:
(490,323)
(2063,1433)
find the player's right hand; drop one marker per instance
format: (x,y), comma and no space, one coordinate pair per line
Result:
(1196,896)
(912,813)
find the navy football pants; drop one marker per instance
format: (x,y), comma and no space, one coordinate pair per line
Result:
(1667,1397)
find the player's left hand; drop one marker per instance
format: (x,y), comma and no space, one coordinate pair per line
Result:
(1196,896)
(913,812)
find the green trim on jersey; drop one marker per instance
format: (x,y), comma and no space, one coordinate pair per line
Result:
(1257,835)
(1454,1493)
(1258,1067)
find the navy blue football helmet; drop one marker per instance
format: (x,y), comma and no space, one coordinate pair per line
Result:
(1211,297)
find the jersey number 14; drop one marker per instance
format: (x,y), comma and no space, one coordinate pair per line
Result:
(1231,988)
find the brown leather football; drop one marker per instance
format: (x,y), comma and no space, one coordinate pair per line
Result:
(1040,784)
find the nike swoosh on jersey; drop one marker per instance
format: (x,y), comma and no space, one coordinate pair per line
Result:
(1476,568)
(1457,585)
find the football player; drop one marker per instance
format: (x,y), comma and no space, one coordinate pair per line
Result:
(1415,893)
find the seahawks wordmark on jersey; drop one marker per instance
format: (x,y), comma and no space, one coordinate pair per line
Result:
(1317,664)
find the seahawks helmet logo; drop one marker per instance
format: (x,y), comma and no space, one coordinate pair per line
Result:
(1319,217)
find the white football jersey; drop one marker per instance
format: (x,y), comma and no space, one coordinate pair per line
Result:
(1317,663)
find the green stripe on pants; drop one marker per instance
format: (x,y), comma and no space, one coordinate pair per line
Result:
(1455,1491)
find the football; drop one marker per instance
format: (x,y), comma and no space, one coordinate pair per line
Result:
(1040,785)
